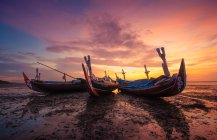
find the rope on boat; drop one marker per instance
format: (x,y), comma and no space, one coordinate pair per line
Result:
(65,74)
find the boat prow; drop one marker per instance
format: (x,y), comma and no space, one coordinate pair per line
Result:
(91,90)
(27,81)
(182,75)
(97,90)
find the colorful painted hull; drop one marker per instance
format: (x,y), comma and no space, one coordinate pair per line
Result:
(55,87)
(172,86)
(96,88)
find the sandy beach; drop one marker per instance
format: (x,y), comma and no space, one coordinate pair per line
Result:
(26,114)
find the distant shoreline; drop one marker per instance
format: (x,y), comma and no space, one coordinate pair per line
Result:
(4,84)
(202,81)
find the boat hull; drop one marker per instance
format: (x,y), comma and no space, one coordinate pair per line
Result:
(96,88)
(104,86)
(54,87)
(173,86)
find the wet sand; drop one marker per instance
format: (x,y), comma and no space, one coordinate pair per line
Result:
(25,114)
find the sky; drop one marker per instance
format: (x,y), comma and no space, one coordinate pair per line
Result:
(117,34)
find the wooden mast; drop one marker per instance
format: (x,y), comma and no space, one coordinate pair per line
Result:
(146,72)
(37,74)
(123,74)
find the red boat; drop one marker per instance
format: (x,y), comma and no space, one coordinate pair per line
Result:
(97,88)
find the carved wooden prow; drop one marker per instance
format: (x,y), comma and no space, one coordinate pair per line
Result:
(162,54)
(88,63)
(123,73)
(146,72)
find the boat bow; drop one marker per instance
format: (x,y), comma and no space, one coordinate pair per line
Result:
(27,81)
(182,76)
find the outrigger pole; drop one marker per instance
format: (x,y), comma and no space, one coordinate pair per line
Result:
(65,74)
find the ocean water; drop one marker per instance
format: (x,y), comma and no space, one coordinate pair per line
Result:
(210,83)
(26,114)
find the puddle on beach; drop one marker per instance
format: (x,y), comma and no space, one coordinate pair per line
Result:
(25,114)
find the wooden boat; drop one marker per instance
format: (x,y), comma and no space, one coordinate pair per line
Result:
(98,88)
(78,84)
(55,86)
(160,87)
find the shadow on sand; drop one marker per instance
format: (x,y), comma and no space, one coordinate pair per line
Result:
(93,122)
(167,115)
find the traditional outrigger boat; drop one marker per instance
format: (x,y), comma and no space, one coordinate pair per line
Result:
(162,86)
(97,86)
(78,84)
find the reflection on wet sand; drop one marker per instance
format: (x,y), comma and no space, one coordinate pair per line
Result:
(51,104)
(93,122)
(54,115)
(167,115)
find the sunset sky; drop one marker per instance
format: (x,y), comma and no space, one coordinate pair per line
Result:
(115,33)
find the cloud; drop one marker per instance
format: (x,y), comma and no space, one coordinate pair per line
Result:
(60,48)
(107,31)
(14,63)
(110,40)
(11,69)
(44,19)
